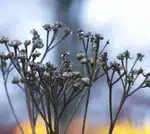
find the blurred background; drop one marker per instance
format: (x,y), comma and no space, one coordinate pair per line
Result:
(125,23)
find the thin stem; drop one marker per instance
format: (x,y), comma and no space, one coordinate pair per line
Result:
(112,125)
(75,110)
(9,100)
(86,109)
(47,40)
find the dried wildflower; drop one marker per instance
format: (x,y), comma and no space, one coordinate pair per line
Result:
(76,85)
(130,79)
(67,31)
(87,34)
(80,34)
(59,24)
(38,43)
(35,54)
(115,66)
(65,54)
(139,71)
(85,81)
(10,55)
(27,42)
(98,36)
(83,60)
(3,39)
(92,39)
(14,43)
(77,74)
(147,82)
(104,56)
(80,56)
(148,74)
(47,27)
(140,56)
(41,67)
(34,32)
(91,61)
(67,74)
(127,54)
(79,30)
(3,56)
(121,56)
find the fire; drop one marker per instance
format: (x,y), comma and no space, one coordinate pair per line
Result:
(124,127)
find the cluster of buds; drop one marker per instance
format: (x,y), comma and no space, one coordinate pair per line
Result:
(50,77)
(124,55)
(55,27)
(99,57)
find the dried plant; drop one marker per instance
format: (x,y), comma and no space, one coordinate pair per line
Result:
(50,89)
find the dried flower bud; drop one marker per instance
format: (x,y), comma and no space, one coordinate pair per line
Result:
(98,36)
(67,74)
(35,54)
(10,55)
(34,32)
(67,31)
(91,61)
(121,56)
(148,74)
(42,67)
(140,56)
(139,71)
(104,56)
(27,42)
(130,79)
(59,24)
(79,30)
(127,54)
(92,39)
(80,34)
(14,43)
(87,34)
(85,81)
(3,56)
(115,66)
(80,56)
(38,43)
(77,74)
(47,27)
(76,85)
(3,39)
(65,54)
(83,61)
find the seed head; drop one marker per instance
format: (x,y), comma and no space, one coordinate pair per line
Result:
(14,43)
(3,39)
